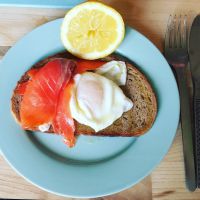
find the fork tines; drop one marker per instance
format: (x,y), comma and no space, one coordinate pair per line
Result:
(176,34)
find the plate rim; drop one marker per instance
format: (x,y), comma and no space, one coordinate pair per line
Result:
(126,186)
(38,4)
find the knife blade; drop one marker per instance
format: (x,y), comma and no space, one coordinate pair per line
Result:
(194,56)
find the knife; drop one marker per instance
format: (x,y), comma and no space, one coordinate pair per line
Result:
(194,56)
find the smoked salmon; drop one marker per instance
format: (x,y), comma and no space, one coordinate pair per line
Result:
(42,93)
(85,65)
(47,93)
(63,122)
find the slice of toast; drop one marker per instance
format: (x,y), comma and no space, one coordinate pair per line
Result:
(135,122)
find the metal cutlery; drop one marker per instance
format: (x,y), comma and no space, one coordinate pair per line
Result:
(176,53)
(194,55)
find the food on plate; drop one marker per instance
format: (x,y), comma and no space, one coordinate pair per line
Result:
(69,96)
(114,70)
(92,30)
(97,101)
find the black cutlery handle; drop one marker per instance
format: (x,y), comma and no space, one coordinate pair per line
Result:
(187,129)
(197,137)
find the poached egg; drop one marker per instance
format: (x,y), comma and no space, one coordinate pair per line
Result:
(115,71)
(97,101)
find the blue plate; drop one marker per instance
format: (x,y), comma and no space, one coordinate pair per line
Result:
(44,3)
(96,166)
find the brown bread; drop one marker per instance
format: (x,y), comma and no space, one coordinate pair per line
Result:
(135,122)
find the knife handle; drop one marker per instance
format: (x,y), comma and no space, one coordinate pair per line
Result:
(187,129)
(197,137)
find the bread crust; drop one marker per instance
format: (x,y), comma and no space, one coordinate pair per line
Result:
(121,127)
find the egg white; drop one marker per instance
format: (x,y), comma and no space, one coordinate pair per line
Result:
(97,101)
(114,70)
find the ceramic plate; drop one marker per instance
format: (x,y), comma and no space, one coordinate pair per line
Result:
(41,4)
(96,166)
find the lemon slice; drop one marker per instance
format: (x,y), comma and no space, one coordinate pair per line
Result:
(92,30)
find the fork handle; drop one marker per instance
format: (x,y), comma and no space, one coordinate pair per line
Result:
(187,128)
(197,135)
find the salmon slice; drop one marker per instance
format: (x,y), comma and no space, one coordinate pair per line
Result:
(82,66)
(42,93)
(87,65)
(46,96)
(21,87)
(63,122)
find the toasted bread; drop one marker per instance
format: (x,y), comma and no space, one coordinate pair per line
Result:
(135,122)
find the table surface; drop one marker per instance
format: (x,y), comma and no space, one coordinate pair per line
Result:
(150,18)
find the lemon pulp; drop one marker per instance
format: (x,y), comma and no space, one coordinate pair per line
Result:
(92,30)
(94,33)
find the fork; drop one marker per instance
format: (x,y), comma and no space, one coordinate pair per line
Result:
(176,53)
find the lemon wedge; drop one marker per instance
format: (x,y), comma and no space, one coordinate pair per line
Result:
(92,30)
